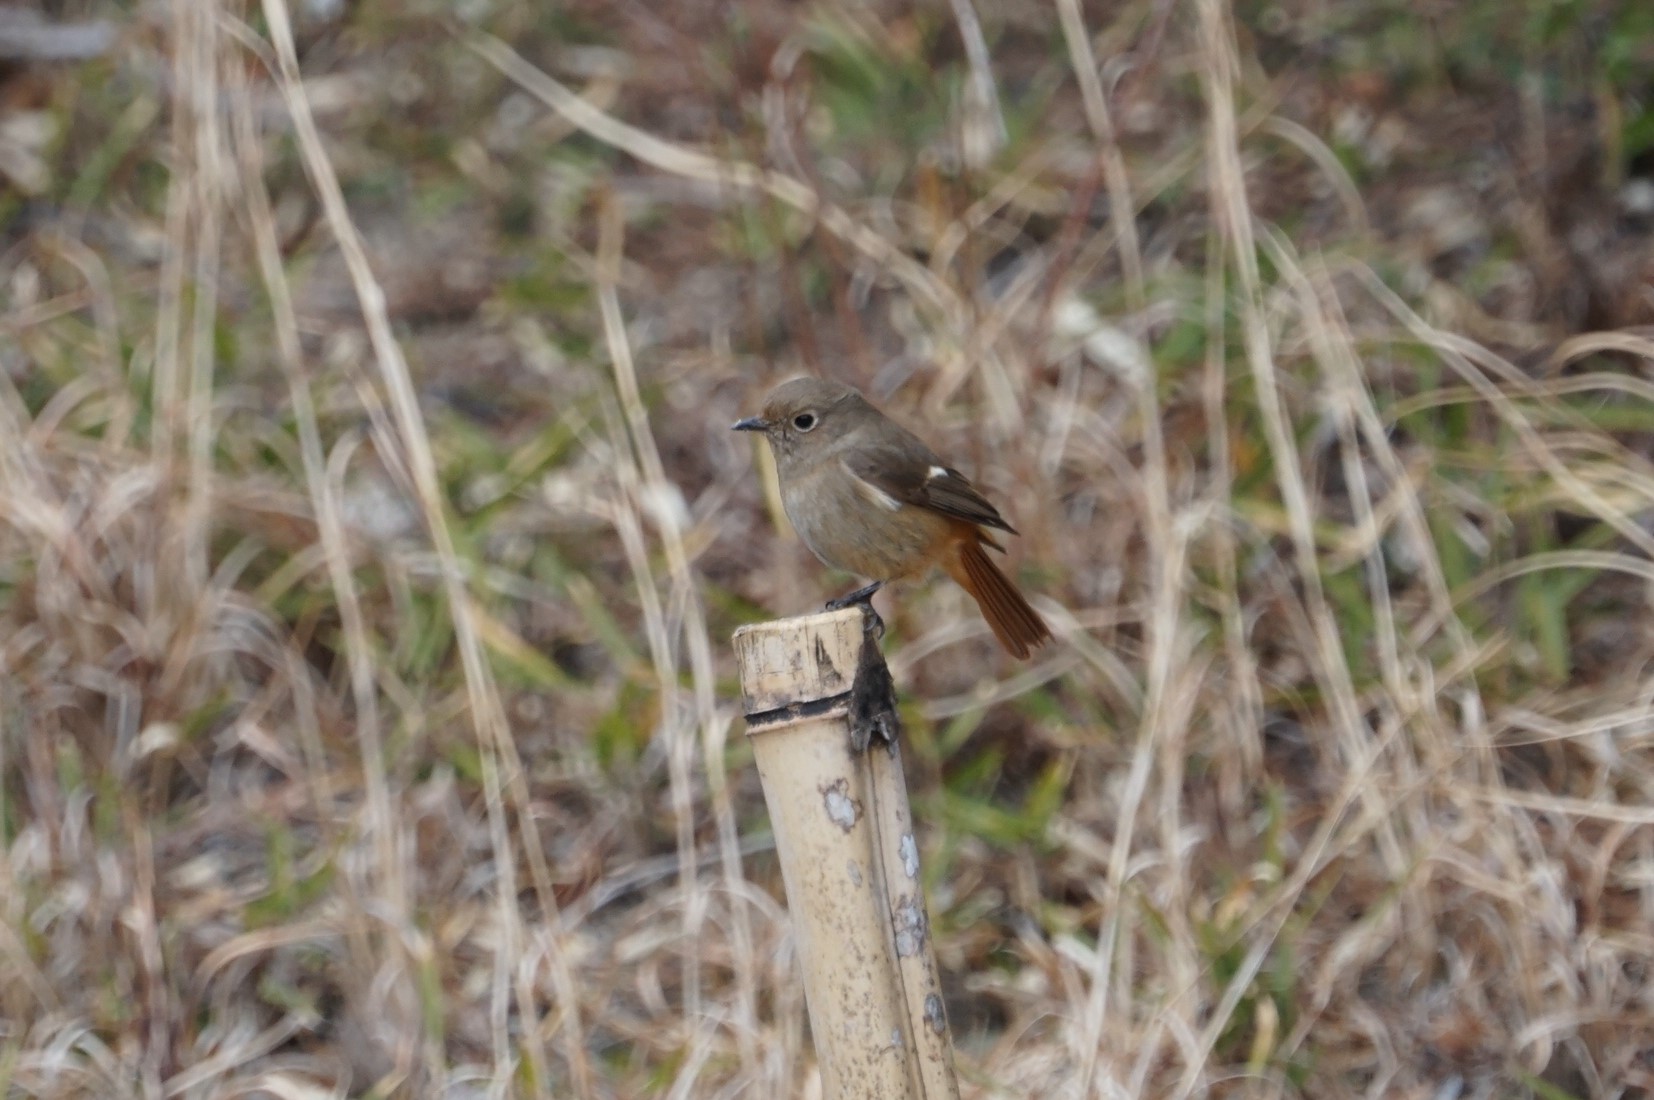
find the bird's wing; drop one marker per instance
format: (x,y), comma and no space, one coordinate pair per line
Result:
(894,474)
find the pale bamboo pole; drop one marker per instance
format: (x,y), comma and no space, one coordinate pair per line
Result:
(849,859)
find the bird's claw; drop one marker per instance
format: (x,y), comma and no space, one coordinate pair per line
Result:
(863,595)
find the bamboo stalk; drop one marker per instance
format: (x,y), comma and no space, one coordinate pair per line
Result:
(844,835)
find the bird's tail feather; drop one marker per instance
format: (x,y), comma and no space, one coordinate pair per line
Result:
(1017,626)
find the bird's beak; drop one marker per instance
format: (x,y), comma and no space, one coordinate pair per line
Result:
(751,424)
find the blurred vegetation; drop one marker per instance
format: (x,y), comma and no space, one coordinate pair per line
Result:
(367,723)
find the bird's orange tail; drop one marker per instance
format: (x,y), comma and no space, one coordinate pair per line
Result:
(1017,626)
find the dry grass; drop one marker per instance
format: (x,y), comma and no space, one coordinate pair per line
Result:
(366,725)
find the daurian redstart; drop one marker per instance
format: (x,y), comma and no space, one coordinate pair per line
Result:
(867,496)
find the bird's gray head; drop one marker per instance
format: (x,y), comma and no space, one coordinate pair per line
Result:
(804,414)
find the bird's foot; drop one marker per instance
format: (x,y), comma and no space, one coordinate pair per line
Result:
(862,595)
(863,598)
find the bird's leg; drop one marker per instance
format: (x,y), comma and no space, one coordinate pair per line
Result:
(863,598)
(863,594)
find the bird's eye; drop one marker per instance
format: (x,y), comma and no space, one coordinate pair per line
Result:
(804,421)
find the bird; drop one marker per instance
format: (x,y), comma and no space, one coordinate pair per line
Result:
(871,498)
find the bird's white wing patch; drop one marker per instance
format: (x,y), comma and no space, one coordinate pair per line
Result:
(936,472)
(872,492)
